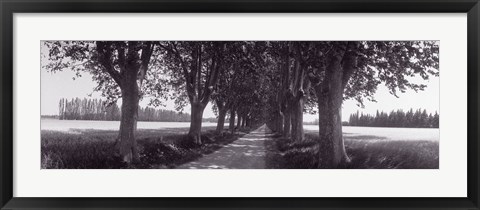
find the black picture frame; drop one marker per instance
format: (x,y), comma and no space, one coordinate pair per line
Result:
(9,7)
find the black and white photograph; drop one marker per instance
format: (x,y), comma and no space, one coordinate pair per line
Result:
(246,104)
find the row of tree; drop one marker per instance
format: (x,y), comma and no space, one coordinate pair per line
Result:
(190,72)
(97,109)
(160,115)
(319,76)
(399,118)
(87,109)
(252,81)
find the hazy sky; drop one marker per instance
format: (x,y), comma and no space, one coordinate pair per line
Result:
(61,85)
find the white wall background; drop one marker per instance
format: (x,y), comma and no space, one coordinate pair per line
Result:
(448,181)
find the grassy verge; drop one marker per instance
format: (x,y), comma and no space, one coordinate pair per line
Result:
(364,153)
(94,149)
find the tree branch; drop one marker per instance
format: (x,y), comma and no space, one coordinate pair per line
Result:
(199,70)
(105,59)
(147,51)
(212,79)
(173,49)
(349,62)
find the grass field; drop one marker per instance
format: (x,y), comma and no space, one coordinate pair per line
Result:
(95,149)
(364,153)
(162,147)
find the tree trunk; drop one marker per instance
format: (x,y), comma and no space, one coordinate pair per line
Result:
(286,122)
(244,121)
(330,98)
(279,123)
(196,122)
(297,98)
(239,120)
(297,120)
(278,115)
(232,121)
(222,113)
(293,121)
(331,137)
(128,145)
(284,108)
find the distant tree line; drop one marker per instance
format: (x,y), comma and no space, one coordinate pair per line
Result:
(160,115)
(97,109)
(87,109)
(410,119)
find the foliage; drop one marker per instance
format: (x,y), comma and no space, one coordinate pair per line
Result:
(193,68)
(105,62)
(393,63)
